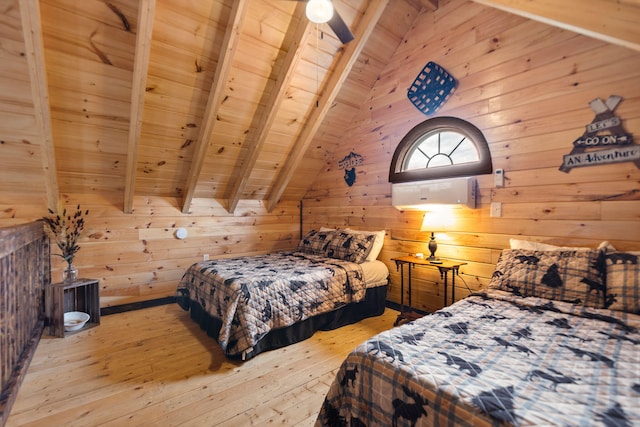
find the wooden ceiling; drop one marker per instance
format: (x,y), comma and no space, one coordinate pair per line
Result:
(224,99)
(200,99)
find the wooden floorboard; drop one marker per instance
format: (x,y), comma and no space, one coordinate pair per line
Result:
(156,367)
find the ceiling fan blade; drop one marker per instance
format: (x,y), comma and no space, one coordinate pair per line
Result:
(340,27)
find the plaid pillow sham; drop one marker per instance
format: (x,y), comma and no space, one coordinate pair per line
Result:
(623,281)
(316,242)
(575,276)
(337,244)
(350,246)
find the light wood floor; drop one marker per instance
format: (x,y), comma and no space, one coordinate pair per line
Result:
(155,367)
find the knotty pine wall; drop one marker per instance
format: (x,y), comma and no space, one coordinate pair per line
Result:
(527,86)
(137,257)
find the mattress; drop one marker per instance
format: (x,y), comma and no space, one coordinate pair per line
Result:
(375,273)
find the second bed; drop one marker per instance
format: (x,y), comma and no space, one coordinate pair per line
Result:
(257,303)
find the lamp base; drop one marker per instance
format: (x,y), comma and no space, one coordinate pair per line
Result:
(433,247)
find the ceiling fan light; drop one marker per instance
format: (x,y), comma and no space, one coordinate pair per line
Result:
(319,11)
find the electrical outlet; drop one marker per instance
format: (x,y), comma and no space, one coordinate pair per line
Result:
(496,210)
(498,178)
(205,257)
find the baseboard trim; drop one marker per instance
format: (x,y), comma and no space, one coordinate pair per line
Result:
(393,305)
(105,311)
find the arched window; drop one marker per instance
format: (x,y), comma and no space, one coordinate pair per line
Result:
(441,147)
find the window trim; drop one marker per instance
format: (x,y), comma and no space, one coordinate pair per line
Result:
(483,166)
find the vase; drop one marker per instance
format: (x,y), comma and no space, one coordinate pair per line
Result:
(70,274)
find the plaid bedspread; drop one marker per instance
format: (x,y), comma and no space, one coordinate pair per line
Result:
(494,359)
(253,295)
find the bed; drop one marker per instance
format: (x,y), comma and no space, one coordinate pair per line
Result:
(553,340)
(259,303)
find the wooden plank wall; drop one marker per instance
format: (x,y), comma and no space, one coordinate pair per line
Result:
(527,86)
(21,173)
(137,257)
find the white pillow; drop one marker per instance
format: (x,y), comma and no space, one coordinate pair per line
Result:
(377,243)
(537,246)
(606,247)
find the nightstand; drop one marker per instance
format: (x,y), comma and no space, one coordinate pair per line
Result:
(443,265)
(81,295)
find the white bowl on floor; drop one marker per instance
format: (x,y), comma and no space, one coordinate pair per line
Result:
(75,320)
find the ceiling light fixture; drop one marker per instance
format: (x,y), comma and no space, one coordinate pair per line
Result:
(319,11)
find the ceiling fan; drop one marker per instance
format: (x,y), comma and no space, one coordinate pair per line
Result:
(321,11)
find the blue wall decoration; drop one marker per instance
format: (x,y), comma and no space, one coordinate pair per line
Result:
(604,140)
(349,163)
(433,86)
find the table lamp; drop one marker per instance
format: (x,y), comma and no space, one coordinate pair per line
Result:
(433,245)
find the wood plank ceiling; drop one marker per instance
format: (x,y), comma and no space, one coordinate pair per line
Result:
(214,99)
(224,99)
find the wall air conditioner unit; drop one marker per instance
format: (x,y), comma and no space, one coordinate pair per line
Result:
(421,194)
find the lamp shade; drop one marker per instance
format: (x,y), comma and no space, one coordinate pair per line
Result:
(319,11)
(438,218)
(425,222)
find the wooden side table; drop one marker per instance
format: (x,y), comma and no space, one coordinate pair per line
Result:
(444,266)
(81,295)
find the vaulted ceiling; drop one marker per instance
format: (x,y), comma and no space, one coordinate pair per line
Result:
(224,99)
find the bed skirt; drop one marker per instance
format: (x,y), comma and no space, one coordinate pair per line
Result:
(372,305)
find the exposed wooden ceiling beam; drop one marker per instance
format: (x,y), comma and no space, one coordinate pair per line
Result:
(32,32)
(216,95)
(342,70)
(146,13)
(268,116)
(429,4)
(613,22)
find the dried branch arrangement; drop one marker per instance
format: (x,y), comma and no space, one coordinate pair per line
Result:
(66,229)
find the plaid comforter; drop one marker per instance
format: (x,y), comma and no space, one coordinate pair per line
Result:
(494,359)
(253,295)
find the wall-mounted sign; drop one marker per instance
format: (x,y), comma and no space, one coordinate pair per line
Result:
(605,130)
(349,163)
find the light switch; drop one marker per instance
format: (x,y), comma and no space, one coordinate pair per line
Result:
(496,210)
